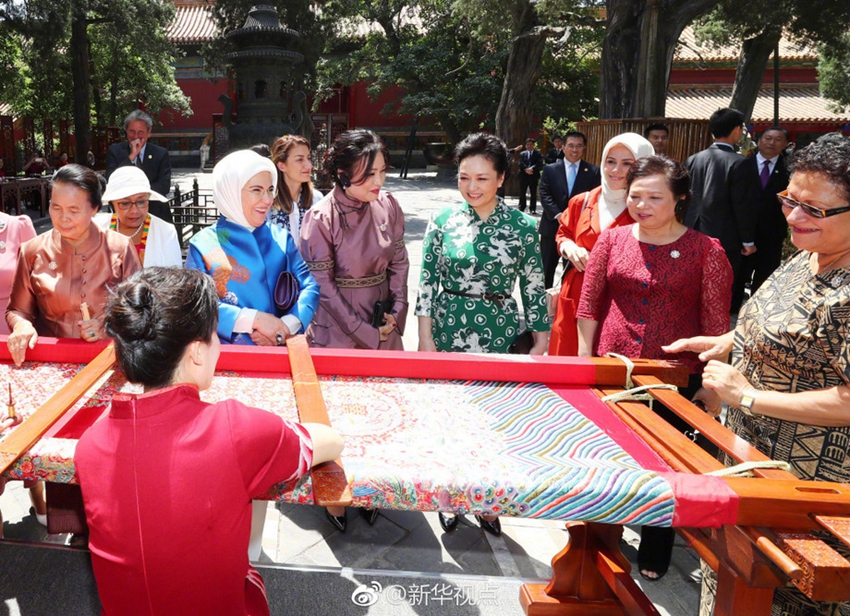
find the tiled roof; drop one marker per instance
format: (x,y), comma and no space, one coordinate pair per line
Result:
(5,109)
(192,24)
(689,51)
(797,104)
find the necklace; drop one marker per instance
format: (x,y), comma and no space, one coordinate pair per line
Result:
(138,229)
(831,265)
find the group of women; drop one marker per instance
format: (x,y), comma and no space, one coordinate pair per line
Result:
(342,260)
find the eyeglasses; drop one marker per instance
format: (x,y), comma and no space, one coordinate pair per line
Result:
(126,205)
(814,212)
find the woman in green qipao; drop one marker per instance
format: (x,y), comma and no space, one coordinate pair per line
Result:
(473,254)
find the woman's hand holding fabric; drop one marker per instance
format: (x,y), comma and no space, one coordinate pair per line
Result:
(575,254)
(724,380)
(266,329)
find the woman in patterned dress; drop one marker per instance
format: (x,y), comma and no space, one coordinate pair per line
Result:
(295,193)
(473,254)
(787,384)
(648,284)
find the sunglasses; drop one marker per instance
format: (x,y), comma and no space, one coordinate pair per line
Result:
(811,210)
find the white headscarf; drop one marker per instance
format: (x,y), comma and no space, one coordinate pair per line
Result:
(613,202)
(230,176)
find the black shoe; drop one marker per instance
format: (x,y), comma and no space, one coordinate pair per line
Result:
(370,514)
(494,527)
(339,521)
(448,522)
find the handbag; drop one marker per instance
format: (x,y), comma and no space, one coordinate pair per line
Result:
(382,307)
(522,344)
(286,292)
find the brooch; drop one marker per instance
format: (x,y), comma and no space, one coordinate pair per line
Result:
(836,281)
(52,265)
(675,254)
(383,227)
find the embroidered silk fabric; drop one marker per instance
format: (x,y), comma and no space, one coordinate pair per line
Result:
(645,296)
(529,452)
(463,253)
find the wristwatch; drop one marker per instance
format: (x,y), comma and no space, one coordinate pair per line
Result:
(748,398)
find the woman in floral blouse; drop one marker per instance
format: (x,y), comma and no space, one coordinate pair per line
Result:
(473,254)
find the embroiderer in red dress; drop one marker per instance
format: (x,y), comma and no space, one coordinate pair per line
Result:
(652,283)
(168,479)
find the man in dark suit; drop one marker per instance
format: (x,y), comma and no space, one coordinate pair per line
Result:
(560,183)
(530,165)
(768,175)
(152,159)
(555,153)
(721,207)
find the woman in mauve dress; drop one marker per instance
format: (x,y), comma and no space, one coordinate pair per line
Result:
(353,243)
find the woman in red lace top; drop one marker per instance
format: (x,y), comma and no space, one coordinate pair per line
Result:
(648,283)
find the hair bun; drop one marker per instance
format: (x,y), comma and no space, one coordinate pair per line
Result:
(135,313)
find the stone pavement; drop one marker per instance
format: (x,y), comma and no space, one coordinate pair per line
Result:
(411,542)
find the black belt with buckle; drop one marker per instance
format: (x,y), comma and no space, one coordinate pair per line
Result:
(498,298)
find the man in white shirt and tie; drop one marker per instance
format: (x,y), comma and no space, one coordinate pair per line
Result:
(559,183)
(150,158)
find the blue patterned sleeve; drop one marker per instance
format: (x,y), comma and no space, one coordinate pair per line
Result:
(227,313)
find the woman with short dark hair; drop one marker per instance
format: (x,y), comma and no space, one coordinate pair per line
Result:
(649,283)
(788,382)
(163,542)
(472,256)
(74,264)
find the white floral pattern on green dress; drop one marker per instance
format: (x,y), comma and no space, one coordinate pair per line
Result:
(462,253)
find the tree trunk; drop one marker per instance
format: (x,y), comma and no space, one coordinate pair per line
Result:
(79,49)
(449,127)
(637,54)
(755,54)
(514,115)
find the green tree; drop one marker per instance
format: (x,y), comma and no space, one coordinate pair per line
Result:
(822,21)
(834,73)
(529,27)
(90,39)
